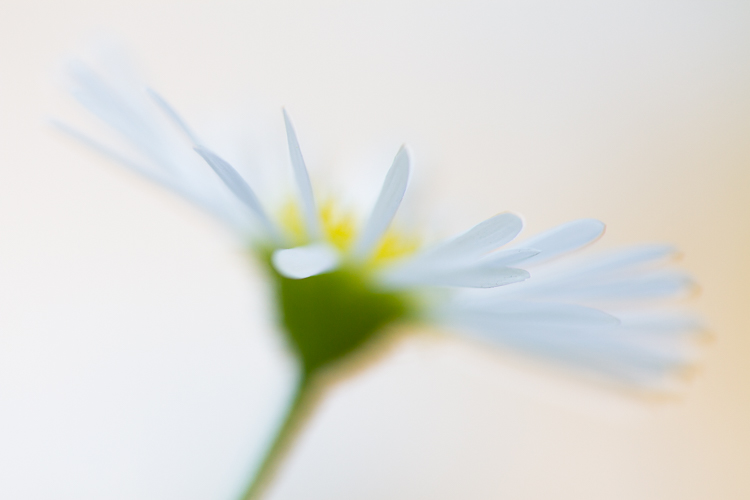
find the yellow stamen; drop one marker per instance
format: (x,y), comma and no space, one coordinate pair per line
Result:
(340,229)
(395,244)
(339,226)
(291,221)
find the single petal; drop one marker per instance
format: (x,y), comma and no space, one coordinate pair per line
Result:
(156,176)
(386,205)
(641,286)
(564,238)
(508,257)
(622,260)
(239,187)
(473,276)
(459,258)
(479,277)
(480,239)
(303,262)
(172,115)
(303,181)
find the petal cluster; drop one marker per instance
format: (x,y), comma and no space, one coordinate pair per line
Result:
(590,313)
(604,314)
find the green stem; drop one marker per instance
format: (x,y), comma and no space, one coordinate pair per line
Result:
(293,419)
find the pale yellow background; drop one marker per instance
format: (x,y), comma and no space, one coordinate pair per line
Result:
(137,355)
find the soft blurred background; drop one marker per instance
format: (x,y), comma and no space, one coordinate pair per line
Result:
(138,358)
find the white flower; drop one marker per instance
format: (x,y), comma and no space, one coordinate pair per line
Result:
(589,312)
(339,283)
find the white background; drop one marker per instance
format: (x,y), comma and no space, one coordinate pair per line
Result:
(138,357)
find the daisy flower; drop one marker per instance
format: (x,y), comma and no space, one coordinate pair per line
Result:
(339,282)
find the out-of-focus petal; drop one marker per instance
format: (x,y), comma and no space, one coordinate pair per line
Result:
(386,205)
(564,238)
(240,188)
(312,219)
(306,261)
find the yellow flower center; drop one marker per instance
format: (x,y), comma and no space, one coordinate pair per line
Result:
(340,229)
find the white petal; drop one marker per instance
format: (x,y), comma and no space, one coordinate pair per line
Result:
(480,239)
(661,322)
(172,115)
(458,260)
(115,96)
(386,205)
(577,340)
(120,111)
(303,181)
(564,238)
(472,277)
(481,277)
(508,257)
(621,260)
(562,279)
(303,262)
(154,175)
(239,187)
(650,285)
(542,313)
(488,272)
(158,176)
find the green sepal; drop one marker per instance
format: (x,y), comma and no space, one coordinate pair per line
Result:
(329,316)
